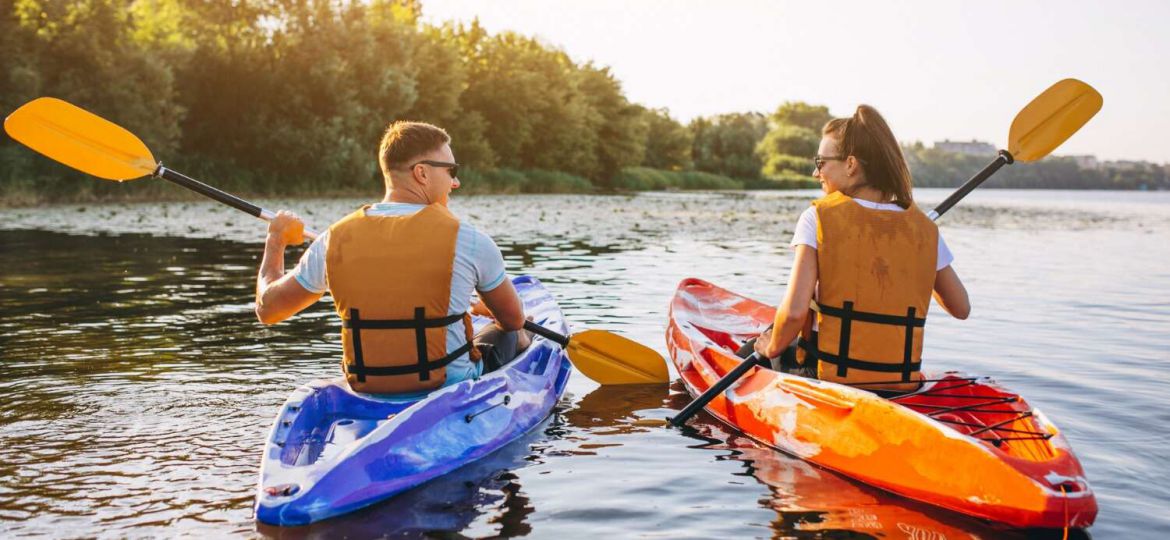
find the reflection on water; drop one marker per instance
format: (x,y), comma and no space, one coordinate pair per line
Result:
(138,387)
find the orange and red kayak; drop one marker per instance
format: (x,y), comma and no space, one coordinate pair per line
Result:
(959,442)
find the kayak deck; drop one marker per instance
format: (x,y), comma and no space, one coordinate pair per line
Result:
(332,450)
(963,443)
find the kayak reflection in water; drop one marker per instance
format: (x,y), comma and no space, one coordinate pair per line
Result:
(401,273)
(871,258)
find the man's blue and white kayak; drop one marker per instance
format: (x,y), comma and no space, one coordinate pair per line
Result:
(332,450)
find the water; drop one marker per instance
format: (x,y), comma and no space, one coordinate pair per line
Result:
(138,387)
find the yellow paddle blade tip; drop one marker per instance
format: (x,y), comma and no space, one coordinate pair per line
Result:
(1050,119)
(80,139)
(609,358)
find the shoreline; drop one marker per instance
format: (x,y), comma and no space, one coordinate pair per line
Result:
(25,201)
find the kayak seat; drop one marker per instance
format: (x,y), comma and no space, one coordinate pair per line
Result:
(345,431)
(720,338)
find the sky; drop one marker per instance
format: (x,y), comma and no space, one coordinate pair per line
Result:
(942,69)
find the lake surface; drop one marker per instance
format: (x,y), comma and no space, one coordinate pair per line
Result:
(138,387)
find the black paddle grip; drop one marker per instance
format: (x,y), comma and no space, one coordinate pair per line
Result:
(207,191)
(542,331)
(1004,158)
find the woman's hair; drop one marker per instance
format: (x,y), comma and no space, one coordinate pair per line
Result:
(867,137)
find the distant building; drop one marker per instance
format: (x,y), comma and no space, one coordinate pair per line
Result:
(972,147)
(1086,162)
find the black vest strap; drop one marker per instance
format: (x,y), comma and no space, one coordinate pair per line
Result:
(407,370)
(908,348)
(419,324)
(847,315)
(843,363)
(397,324)
(846,330)
(863,316)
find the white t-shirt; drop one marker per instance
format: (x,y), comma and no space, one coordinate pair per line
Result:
(806,230)
(479,266)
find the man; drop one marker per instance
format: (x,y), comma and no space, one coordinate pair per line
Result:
(401,273)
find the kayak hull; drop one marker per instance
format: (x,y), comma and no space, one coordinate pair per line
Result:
(332,451)
(962,443)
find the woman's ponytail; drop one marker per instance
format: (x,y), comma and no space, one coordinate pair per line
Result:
(867,137)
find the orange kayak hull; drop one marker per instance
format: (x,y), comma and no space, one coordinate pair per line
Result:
(962,443)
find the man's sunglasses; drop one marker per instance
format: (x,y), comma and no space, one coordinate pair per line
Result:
(452,168)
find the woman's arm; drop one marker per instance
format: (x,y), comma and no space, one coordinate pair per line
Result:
(793,309)
(950,293)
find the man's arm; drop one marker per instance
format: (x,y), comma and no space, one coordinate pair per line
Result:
(505,305)
(278,295)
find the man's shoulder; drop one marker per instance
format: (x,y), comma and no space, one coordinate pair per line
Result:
(474,233)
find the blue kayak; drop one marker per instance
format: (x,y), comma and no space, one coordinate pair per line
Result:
(332,450)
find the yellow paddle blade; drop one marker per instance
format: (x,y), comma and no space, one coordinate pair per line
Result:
(80,139)
(1052,118)
(609,358)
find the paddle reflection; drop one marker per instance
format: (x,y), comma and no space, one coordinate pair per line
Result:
(613,410)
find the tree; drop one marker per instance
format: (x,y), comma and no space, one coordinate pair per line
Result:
(621,132)
(788,147)
(726,144)
(83,52)
(668,143)
(801,114)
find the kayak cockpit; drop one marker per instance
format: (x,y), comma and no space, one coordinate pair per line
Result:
(327,420)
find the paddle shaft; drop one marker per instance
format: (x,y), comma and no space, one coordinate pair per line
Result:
(542,331)
(1004,158)
(220,195)
(718,388)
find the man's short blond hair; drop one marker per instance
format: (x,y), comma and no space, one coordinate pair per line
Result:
(405,142)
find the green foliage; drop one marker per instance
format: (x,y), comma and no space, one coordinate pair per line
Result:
(778,164)
(785,180)
(646,179)
(475,181)
(619,126)
(543,181)
(81,51)
(788,148)
(278,97)
(801,114)
(726,144)
(668,143)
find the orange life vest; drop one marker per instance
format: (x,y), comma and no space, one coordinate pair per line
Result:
(876,271)
(390,278)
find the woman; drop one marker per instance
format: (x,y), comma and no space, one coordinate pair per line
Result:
(871,258)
